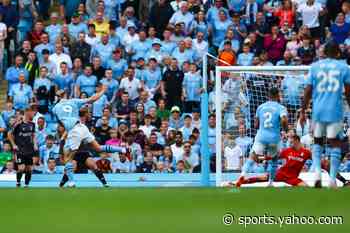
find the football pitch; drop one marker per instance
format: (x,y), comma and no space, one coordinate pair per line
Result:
(167,210)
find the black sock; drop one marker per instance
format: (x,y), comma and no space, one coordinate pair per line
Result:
(27,177)
(64,180)
(19,177)
(100,176)
(341,178)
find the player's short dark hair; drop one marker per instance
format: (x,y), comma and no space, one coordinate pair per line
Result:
(188,116)
(332,50)
(296,137)
(273,92)
(83,112)
(50,137)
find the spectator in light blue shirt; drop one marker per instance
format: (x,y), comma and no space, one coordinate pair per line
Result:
(86,82)
(219,28)
(183,16)
(118,64)
(75,27)
(245,58)
(181,54)
(168,46)
(53,29)
(213,12)
(111,84)
(112,121)
(192,88)
(70,7)
(236,5)
(49,150)
(64,80)
(43,45)
(100,104)
(140,47)
(235,44)
(21,93)
(104,50)
(13,72)
(152,77)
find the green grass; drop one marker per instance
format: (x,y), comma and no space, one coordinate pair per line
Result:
(165,210)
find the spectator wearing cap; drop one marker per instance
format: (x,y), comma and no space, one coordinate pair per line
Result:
(171,84)
(44,39)
(103,49)
(168,45)
(159,16)
(81,49)
(118,64)
(76,26)
(68,8)
(155,52)
(246,57)
(192,89)
(12,73)
(131,85)
(58,57)
(130,37)
(176,121)
(91,38)
(183,16)
(53,29)
(86,82)
(218,28)
(274,44)
(21,93)
(340,29)
(140,47)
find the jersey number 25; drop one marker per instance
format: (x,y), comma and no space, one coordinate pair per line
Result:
(328,81)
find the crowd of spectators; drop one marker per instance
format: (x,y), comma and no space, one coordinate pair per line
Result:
(149,55)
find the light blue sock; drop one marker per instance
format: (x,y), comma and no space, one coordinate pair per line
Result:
(335,154)
(69,171)
(112,149)
(273,168)
(316,158)
(247,166)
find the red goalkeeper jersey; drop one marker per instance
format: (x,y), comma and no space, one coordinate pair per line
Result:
(295,160)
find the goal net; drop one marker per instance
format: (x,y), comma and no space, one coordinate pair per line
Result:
(238,91)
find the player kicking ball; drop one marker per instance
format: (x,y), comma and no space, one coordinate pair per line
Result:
(295,157)
(270,117)
(68,113)
(325,84)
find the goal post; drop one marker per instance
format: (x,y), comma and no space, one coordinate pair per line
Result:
(243,74)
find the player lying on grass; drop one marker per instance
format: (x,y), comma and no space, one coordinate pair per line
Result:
(327,80)
(72,118)
(295,157)
(270,117)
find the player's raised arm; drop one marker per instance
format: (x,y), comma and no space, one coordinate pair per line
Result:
(98,94)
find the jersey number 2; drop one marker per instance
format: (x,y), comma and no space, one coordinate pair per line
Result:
(268,120)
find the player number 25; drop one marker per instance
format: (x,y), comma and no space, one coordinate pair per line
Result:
(328,78)
(268,120)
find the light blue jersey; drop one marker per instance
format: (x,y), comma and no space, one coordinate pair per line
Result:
(327,78)
(67,111)
(269,115)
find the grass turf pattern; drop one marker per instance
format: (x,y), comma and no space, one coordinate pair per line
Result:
(166,210)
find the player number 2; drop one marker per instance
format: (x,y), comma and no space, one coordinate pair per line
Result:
(328,78)
(268,120)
